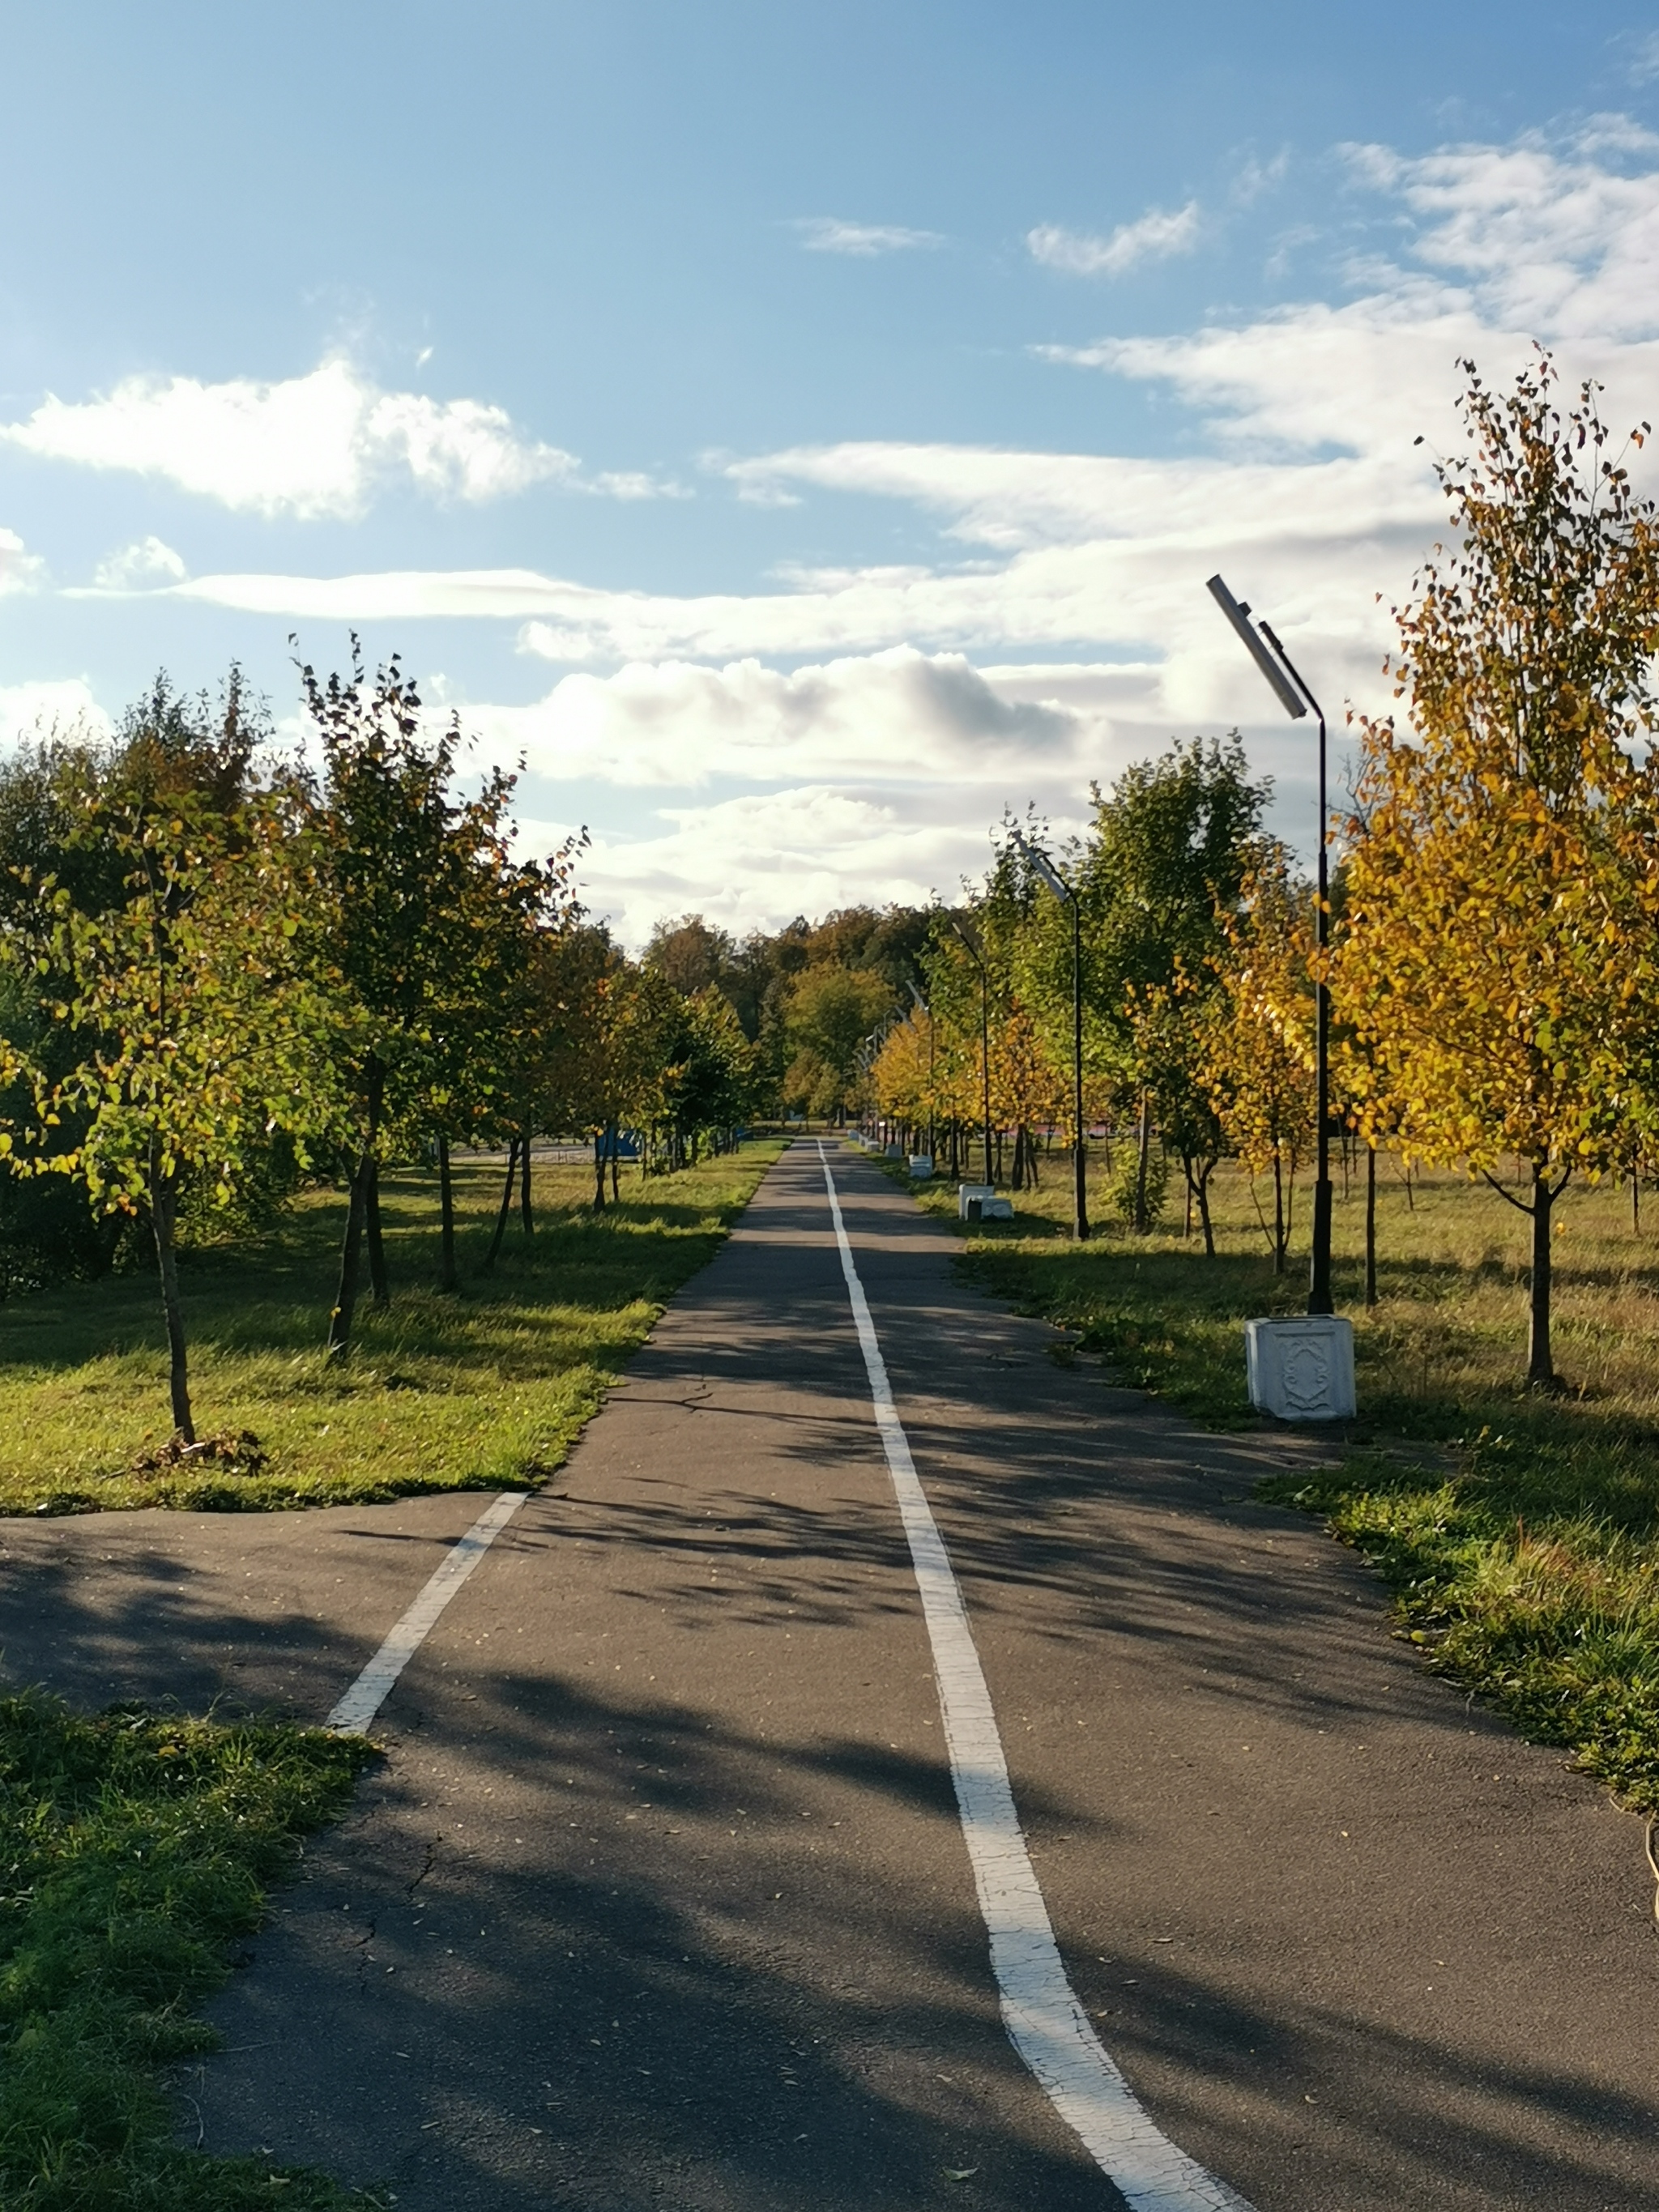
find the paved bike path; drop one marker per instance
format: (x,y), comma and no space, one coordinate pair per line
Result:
(661,1899)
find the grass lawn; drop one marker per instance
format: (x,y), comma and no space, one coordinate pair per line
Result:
(134,1851)
(1520,1534)
(469,1392)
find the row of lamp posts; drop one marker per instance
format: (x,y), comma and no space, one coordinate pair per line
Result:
(1291,689)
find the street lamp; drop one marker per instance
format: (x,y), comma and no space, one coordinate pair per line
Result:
(1044,867)
(1293,695)
(984,1032)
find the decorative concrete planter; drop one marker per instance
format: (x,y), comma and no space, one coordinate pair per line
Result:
(921,1165)
(978,1201)
(1300,1369)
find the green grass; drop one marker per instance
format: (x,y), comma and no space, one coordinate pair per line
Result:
(134,1851)
(466,1391)
(1518,1534)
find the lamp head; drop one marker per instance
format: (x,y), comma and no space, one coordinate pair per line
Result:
(1043,866)
(1239,614)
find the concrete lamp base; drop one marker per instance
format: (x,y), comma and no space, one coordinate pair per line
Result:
(1300,1369)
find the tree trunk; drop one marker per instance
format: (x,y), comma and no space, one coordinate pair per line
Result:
(1143,1145)
(164,1218)
(447,1279)
(377,1275)
(505,1207)
(1204,1220)
(1370,1227)
(377,1278)
(1281,1239)
(598,1171)
(1540,1368)
(345,1302)
(1635,1201)
(616,1168)
(526,1218)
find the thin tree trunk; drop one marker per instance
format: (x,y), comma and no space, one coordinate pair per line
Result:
(1186,1218)
(1635,1201)
(164,1217)
(616,1168)
(1144,1145)
(1370,1227)
(1204,1222)
(598,1171)
(1540,1368)
(447,1277)
(1281,1238)
(376,1276)
(345,1301)
(526,1216)
(505,1207)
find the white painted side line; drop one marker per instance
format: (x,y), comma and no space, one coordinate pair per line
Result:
(352,1715)
(1046,2024)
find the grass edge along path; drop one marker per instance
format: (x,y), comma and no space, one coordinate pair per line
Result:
(135,1849)
(1518,1536)
(483,1390)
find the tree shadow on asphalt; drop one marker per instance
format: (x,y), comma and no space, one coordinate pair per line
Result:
(781,2067)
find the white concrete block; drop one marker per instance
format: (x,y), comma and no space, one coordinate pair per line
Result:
(1300,1369)
(975,1193)
(921,1165)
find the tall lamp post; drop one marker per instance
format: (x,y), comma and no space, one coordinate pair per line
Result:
(1044,867)
(1291,691)
(978,958)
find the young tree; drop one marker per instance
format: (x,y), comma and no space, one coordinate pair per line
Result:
(432,917)
(206,1026)
(1259,1031)
(1487,958)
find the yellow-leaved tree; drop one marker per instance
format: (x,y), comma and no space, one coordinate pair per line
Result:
(1486,961)
(1258,1034)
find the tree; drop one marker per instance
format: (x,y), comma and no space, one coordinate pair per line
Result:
(1487,955)
(832,1010)
(1259,1031)
(431,917)
(206,1026)
(1159,872)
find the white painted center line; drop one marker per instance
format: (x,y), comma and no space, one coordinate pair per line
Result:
(1046,2024)
(352,1715)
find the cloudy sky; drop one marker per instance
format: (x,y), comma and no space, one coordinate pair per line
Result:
(799,431)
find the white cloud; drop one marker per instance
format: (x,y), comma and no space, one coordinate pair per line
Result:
(828,234)
(139,567)
(1075,581)
(311,445)
(1154,237)
(20,570)
(43,707)
(899,715)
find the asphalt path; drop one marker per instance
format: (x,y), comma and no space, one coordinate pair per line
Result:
(661,1898)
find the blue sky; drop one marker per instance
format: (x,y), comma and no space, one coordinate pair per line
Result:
(799,431)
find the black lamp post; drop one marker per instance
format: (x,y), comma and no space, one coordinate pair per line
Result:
(1044,867)
(1293,695)
(984,1034)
